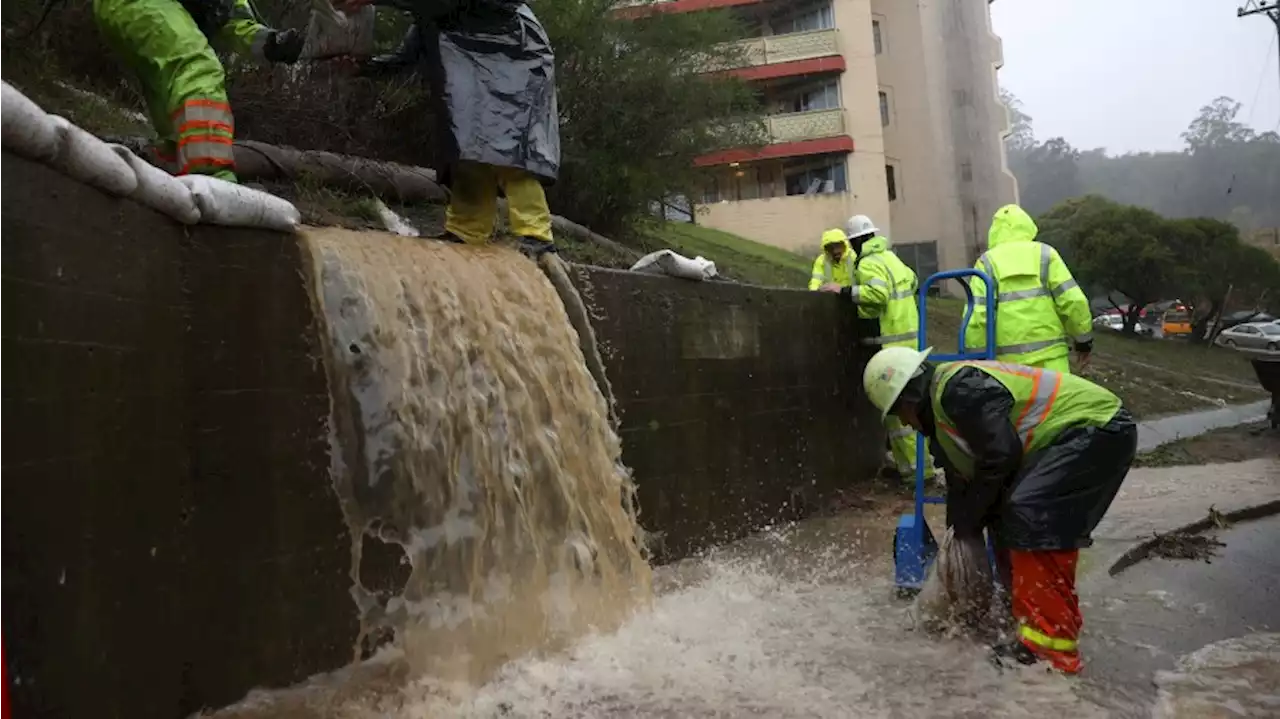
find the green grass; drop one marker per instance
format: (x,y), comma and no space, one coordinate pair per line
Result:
(735,257)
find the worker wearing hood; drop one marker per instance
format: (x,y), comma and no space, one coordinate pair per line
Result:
(884,290)
(1041,313)
(1037,458)
(833,269)
(491,73)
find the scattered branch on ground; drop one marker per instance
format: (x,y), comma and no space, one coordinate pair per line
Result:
(1179,545)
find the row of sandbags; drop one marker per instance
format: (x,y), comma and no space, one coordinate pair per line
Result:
(31,132)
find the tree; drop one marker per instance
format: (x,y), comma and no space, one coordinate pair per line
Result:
(637,106)
(1021,137)
(1216,126)
(1050,175)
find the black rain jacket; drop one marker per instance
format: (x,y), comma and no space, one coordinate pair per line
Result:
(1049,500)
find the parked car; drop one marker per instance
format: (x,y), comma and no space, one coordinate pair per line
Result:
(1116,324)
(1254,335)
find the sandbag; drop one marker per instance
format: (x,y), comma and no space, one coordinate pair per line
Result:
(27,130)
(666,262)
(226,203)
(958,587)
(159,190)
(91,161)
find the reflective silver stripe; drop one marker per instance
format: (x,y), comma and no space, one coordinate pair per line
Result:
(877,282)
(1044,390)
(902,294)
(826,266)
(886,339)
(1029,346)
(901,432)
(1046,256)
(855,293)
(959,441)
(1086,337)
(1063,288)
(989,269)
(1022,294)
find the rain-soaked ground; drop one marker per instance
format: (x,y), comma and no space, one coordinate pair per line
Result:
(802,621)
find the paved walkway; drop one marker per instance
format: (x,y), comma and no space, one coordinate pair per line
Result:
(1156,432)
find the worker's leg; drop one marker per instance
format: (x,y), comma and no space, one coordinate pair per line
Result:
(902,441)
(182,79)
(1046,607)
(473,202)
(527,212)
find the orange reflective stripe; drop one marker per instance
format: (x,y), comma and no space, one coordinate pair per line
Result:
(194,125)
(202,103)
(206,162)
(955,436)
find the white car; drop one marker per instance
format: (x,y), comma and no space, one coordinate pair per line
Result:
(1116,324)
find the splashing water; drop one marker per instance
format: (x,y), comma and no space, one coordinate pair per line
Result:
(467,431)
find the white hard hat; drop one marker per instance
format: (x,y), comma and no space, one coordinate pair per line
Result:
(888,372)
(859,225)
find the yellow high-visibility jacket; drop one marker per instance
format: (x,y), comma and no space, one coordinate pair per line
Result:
(1040,310)
(885,290)
(824,270)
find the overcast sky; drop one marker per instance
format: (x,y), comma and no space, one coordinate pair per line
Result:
(1130,75)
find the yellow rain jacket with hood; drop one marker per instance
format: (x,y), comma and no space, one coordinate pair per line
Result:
(824,270)
(1041,312)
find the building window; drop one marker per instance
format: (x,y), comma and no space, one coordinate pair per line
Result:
(816,178)
(884,109)
(891,181)
(876,38)
(816,18)
(822,97)
(961,98)
(966,171)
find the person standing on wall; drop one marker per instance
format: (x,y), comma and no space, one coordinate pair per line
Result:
(884,289)
(167,44)
(491,72)
(833,269)
(1040,310)
(1035,455)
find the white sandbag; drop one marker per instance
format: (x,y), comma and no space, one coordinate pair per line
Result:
(666,262)
(91,161)
(958,588)
(27,130)
(226,203)
(159,190)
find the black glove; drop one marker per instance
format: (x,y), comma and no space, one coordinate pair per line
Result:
(1084,347)
(846,293)
(283,46)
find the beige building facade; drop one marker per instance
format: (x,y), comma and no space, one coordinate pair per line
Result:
(888,108)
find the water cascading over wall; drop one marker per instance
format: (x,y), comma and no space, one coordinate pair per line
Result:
(467,431)
(172,533)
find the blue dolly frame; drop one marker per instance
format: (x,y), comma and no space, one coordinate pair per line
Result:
(914,546)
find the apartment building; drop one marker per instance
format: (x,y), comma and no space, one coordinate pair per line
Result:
(887,108)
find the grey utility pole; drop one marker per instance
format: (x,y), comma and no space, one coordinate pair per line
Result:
(1271,10)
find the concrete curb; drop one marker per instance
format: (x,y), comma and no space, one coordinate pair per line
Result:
(1142,550)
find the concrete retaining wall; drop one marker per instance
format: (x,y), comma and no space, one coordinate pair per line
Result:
(170,537)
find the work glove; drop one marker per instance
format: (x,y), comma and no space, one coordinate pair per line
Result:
(283,46)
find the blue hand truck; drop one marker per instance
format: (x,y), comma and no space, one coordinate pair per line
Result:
(914,546)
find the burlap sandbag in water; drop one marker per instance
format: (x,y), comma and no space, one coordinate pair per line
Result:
(957,590)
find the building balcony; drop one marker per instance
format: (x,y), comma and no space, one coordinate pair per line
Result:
(775,49)
(792,134)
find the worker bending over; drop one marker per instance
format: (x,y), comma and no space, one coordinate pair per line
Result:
(491,73)
(833,268)
(1033,454)
(884,289)
(1040,310)
(167,44)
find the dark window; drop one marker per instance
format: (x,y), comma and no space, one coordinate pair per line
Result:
(875,36)
(891,180)
(820,180)
(884,109)
(966,171)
